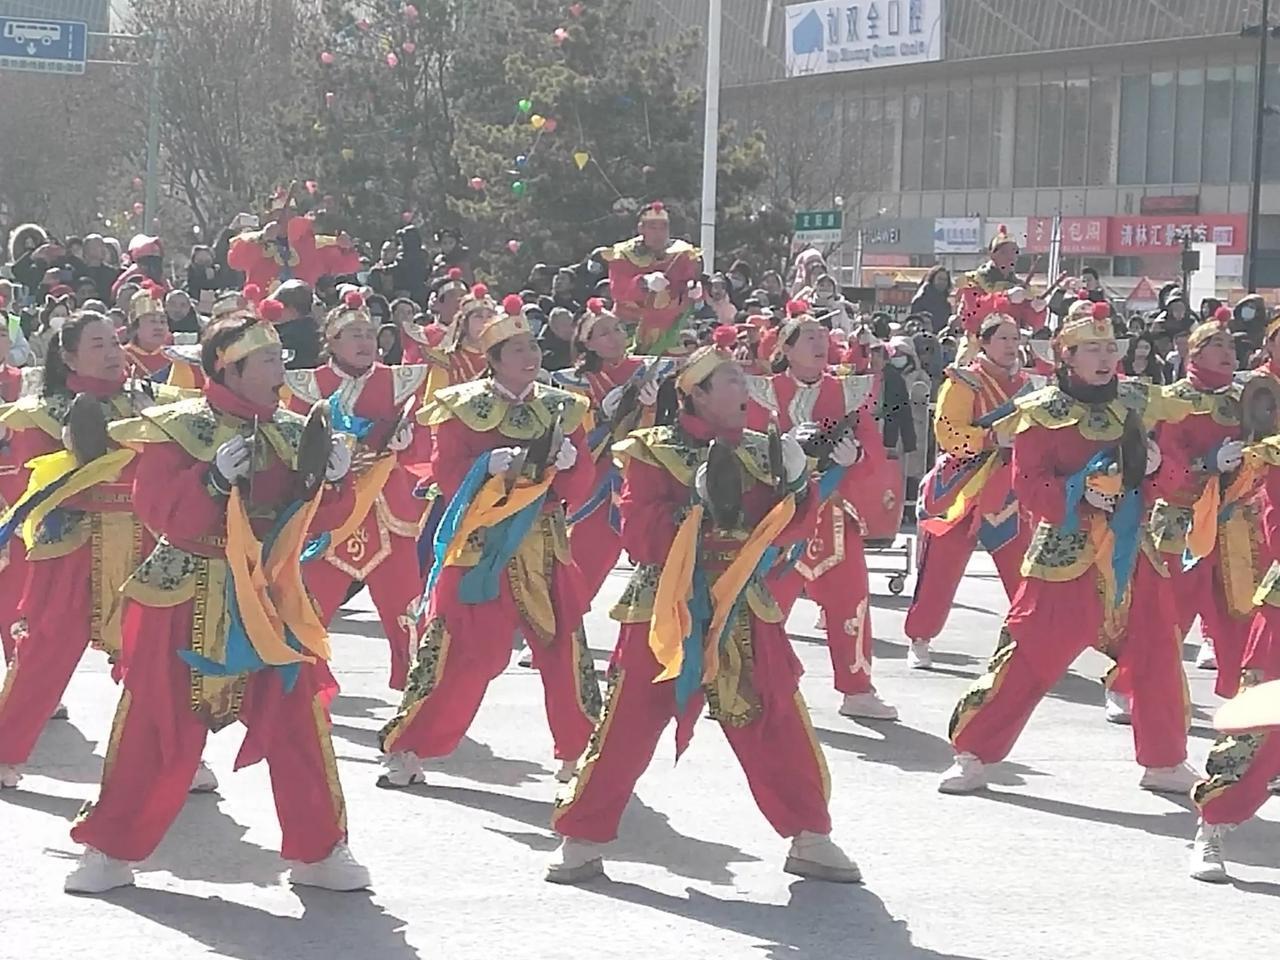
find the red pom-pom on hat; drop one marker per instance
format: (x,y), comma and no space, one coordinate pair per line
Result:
(512,304)
(657,206)
(353,299)
(455,273)
(1222,314)
(252,292)
(724,337)
(1100,310)
(595,305)
(479,291)
(796,308)
(271,311)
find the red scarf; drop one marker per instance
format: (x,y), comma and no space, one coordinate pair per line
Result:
(224,401)
(96,387)
(1208,380)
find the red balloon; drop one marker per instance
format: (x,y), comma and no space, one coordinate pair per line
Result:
(407,216)
(326,58)
(575,9)
(138,208)
(477,183)
(137,183)
(550,125)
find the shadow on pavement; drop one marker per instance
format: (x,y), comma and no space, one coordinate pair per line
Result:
(64,807)
(331,925)
(206,843)
(820,921)
(645,836)
(345,705)
(909,749)
(64,753)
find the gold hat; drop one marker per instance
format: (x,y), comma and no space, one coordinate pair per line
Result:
(1272,326)
(655,211)
(798,315)
(1203,332)
(702,363)
(256,337)
(229,304)
(593,314)
(1086,322)
(477,298)
(510,322)
(1000,239)
(150,299)
(351,310)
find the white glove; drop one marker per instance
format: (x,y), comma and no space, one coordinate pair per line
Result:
(700,482)
(609,405)
(4,433)
(648,393)
(232,459)
(847,452)
(1038,305)
(1004,438)
(1155,457)
(401,439)
(656,282)
(500,460)
(339,460)
(794,460)
(1102,501)
(1017,294)
(567,455)
(1230,455)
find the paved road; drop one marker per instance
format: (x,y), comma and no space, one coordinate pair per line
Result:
(1065,858)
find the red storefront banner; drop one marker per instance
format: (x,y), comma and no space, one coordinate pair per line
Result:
(1079,235)
(1135,236)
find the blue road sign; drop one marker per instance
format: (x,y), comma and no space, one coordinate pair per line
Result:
(43,46)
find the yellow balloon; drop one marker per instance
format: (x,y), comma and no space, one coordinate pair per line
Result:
(581,158)
(537,121)
(348,154)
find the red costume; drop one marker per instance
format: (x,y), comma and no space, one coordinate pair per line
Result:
(177,605)
(13,555)
(299,254)
(832,571)
(379,549)
(654,311)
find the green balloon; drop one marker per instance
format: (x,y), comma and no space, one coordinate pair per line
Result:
(518,188)
(524,106)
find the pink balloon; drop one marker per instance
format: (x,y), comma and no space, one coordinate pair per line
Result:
(311,186)
(410,11)
(477,183)
(326,58)
(561,34)
(407,216)
(138,208)
(575,9)
(513,246)
(408,46)
(137,183)
(362,24)
(550,125)
(393,60)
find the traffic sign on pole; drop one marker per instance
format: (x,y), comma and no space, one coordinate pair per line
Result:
(819,226)
(43,46)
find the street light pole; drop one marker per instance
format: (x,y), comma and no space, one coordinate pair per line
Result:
(151,196)
(1255,198)
(711,137)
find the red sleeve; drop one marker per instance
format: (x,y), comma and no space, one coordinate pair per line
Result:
(245,253)
(802,524)
(451,455)
(336,503)
(419,449)
(170,496)
(758,416)
(624,282)
(1175,480)
(1036,482)
(648,508)
(872,465)
(575,485)
(1269,511)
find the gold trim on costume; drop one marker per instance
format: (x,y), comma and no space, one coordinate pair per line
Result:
(324,741)
(481,408)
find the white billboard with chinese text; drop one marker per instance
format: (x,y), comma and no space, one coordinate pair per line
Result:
(828,36)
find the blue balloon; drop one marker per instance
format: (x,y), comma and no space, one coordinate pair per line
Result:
(521,160)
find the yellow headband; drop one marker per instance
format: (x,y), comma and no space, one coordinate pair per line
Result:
(1272,326)
(1202,333)
(501,329)
(655,211)
(255,338)
(703,362)
(142,303)
(341,317)
(1083,326)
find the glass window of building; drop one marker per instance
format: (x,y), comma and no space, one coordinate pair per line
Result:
(1242,117)
(1051,102)
(1135,93)
(1215,158)
(1026,135)
(958,134)
(1103,93)
(912,141)
(891,142)
(854,140)
(870,172)
(935,138)
(980,110)
(1270,129)
(1002,131)
(1189,126)
(1160,130)
(1075,134)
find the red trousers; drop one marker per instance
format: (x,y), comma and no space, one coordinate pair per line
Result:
(157,739)
(13,579)
(394,584)
(1048,626)
(843,593)
(464,647)
(1241,765)
(778,752)
(1199,591)
(596,547)
(58,607)
(943,558)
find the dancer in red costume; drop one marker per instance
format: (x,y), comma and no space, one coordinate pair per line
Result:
(1079,457)
(378,544)
(996,276)
(602,369)
(82,543)
(502,560)
(649,277)
(459,358)
(289,248)
(967,498)
(217,626)
(700,625)
(13,481)
(832,570)
(419,341)
(148,335)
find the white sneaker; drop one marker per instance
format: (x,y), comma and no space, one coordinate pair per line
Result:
(204,781)
(575,861)
(966,775)
(526,657)
(867,706)
(338,871)
(1117,708)
(1206,853)
(1179,779)
(918,656)
(567,769)
(59,712)
(10,775)
(821,622)
(403,769)
(1206,659)
(815,855)
(98,873)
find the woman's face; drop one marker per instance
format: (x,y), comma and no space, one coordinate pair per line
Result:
(1094,363)
(607,339)
(386,340)
(97,353)
(1141,350)
(825,290)
(475,323)
(152,331)
(942,280)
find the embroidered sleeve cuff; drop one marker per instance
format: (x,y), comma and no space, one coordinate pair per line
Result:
(215,485)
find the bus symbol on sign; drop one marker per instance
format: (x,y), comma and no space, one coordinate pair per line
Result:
(20,31)
(43,46)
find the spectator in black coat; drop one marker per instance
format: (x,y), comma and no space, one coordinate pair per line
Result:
(409,268)
(894,408)
(556,340)
(933,298)
(97,266)
(181,314)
